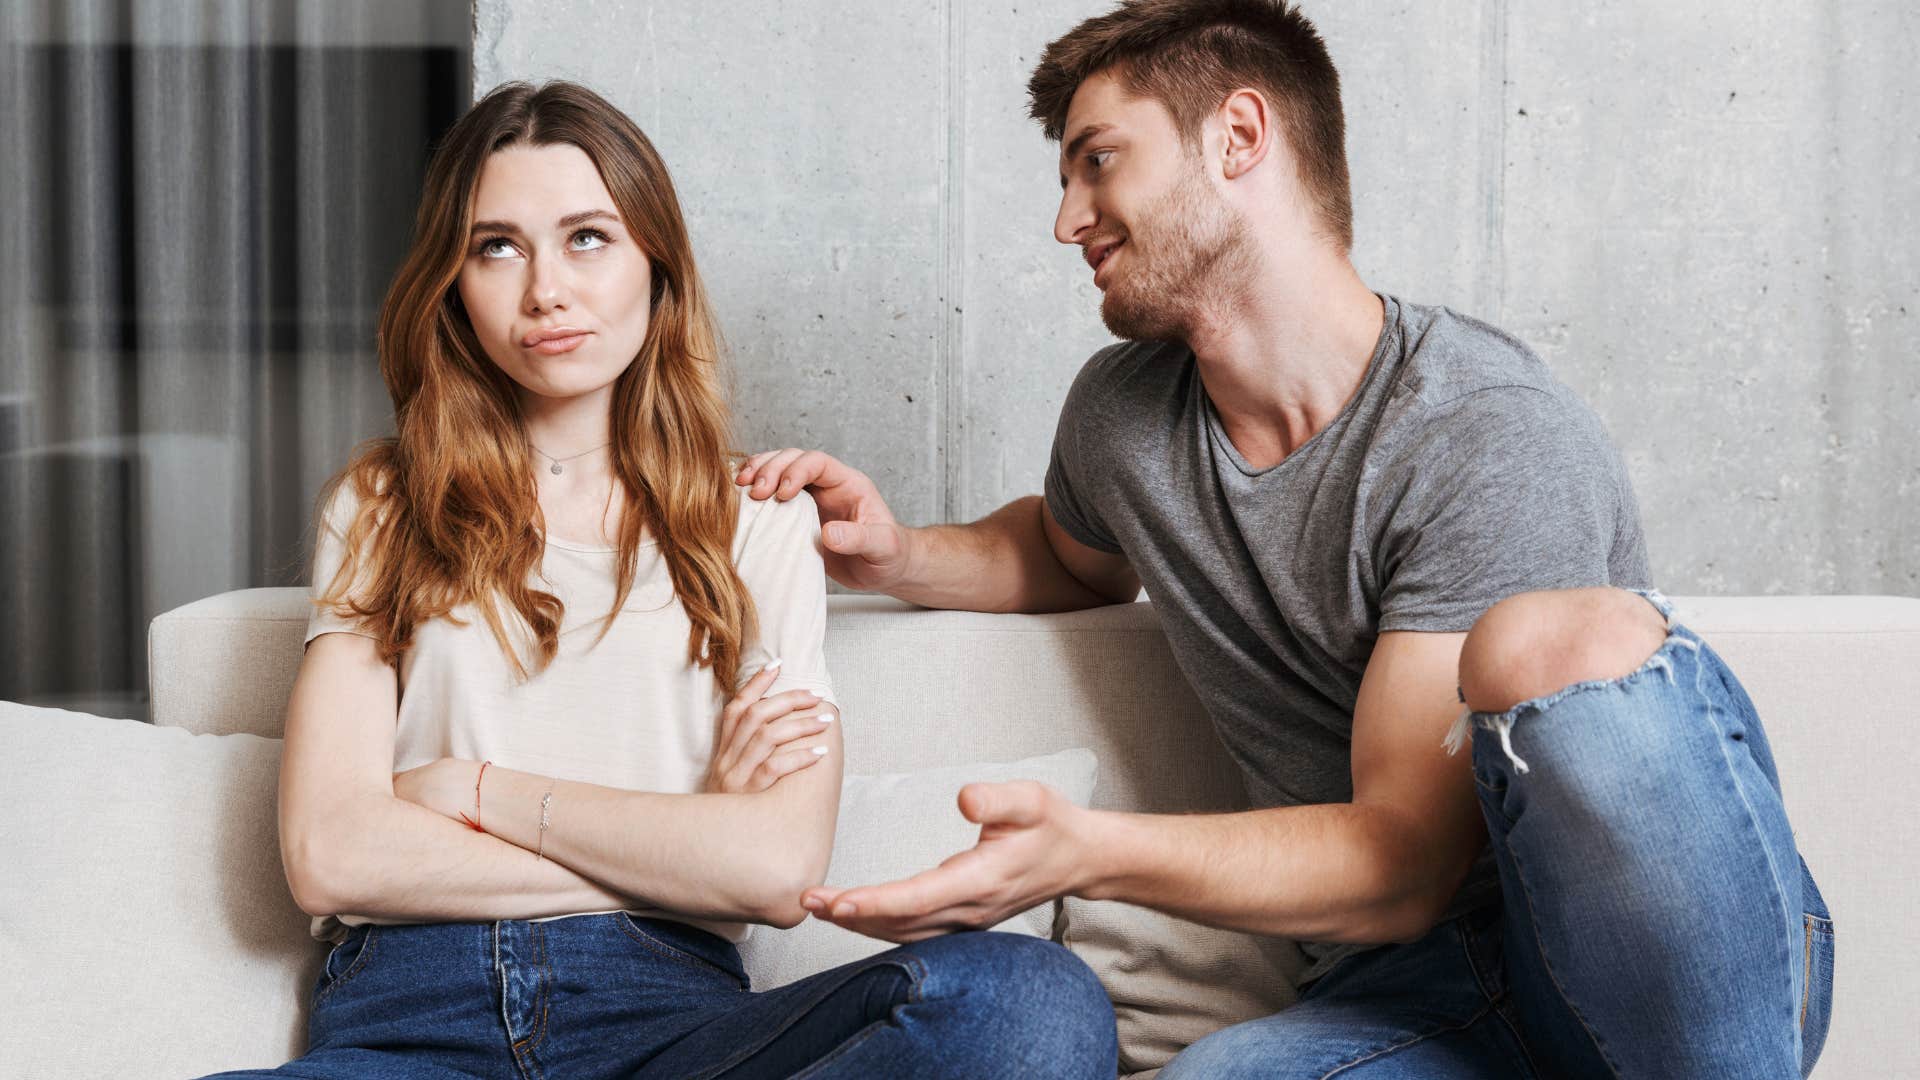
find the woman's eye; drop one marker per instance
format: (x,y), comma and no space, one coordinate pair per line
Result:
(589,239)
(497,248)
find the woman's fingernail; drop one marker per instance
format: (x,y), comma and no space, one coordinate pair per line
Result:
(826,718)
(819,751)
(772,665)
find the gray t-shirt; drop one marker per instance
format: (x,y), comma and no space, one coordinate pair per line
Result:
(1459,473)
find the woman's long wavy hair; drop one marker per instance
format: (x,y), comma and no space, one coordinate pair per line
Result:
(448,512)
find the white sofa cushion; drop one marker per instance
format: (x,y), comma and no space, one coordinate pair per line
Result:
(146,927)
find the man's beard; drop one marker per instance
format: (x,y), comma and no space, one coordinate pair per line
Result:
(1185,256)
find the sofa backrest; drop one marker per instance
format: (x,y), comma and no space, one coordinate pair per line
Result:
(918,689)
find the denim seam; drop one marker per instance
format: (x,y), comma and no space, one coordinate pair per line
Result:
(522,1049)
(1752,823)
(1526,1052)
(1473,967)
(546,988)
(359,963)
(627,926)
(848,1046)
(1806,979)
(1493,999)
(1402,1045)
(916,975)
(1533,918)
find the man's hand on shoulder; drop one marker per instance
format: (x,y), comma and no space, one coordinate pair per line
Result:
(866,548)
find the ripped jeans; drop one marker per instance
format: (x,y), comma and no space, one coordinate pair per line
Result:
(1656,919)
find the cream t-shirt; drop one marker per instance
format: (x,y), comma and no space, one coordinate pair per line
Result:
(630,712)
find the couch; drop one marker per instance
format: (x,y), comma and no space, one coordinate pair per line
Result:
(145,927)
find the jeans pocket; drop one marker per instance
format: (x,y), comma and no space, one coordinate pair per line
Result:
(684,944)
(1816,999)
(345,961)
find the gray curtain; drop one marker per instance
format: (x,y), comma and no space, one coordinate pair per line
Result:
(200,205)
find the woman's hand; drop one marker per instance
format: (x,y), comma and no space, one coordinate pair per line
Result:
(762,739)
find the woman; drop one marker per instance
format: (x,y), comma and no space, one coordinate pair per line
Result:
(547,606)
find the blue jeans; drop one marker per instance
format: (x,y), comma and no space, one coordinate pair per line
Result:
(617,996)
(1656,919)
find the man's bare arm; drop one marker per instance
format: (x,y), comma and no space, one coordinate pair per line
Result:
(1380,868)
(1015,559)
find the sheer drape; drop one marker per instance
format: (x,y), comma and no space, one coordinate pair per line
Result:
(201,205)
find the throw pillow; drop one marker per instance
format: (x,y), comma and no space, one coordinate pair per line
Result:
(1174,981)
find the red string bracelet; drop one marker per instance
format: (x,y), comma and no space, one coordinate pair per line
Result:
(474,821)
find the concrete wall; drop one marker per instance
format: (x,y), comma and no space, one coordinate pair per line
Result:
(1705,217)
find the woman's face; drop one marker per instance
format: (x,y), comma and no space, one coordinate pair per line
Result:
(557,289)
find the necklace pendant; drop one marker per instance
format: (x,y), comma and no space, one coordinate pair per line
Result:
(556,469)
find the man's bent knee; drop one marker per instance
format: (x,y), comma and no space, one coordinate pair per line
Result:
(1534,644)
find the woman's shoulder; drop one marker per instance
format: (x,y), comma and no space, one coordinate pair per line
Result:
(771,521)
(341,498)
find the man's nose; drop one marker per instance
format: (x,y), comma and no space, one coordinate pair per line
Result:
(1076,216)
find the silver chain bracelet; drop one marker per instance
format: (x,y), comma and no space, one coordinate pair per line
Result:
(545,801)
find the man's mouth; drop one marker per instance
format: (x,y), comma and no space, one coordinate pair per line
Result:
(1098,254)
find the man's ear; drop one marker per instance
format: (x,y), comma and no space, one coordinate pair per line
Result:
(1247,120)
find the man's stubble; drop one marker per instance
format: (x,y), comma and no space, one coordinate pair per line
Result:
(1190,251)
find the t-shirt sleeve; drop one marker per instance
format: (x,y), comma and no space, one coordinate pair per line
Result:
(329,552)
(1068,487)
(780,562)
(1508,490)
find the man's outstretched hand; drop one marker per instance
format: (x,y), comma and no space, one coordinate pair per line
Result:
(865,548)
(1032,849)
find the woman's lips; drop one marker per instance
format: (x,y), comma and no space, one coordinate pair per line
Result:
(554,346)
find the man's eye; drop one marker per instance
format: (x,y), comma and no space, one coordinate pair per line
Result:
(1099,158)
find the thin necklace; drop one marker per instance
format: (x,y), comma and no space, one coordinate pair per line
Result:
(555,468)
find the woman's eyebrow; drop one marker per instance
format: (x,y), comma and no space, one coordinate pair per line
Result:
(585,216)
(578,218)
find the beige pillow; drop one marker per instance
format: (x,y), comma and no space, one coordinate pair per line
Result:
(1173,981)
(145,925)
(893,826)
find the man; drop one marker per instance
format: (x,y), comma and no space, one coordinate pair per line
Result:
(1353,514)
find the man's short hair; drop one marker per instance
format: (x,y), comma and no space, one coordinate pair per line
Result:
(1189,55)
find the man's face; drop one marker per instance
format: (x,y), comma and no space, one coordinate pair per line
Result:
(1161,241)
